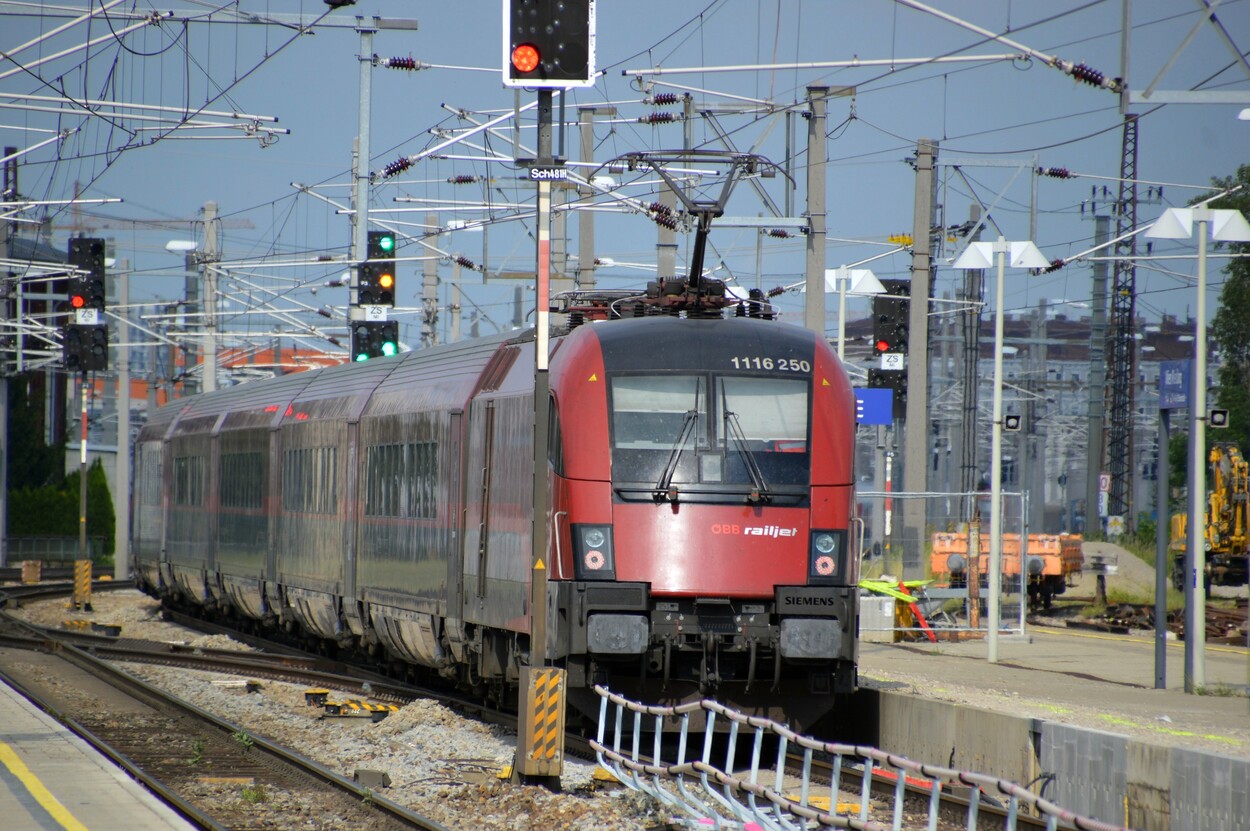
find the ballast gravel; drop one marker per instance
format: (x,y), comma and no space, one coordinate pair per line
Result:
(439,763)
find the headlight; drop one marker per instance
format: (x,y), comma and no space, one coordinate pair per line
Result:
(826,556)
(593,557)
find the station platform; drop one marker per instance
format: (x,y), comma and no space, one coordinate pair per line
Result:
(1080,677)
(50,780)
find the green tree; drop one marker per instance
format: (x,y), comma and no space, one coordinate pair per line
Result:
(32,463)
(1230,326)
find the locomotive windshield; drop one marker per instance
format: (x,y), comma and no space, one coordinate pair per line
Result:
(710,437)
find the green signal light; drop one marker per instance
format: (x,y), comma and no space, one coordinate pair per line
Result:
(387,243)
(363,356)
(389,348)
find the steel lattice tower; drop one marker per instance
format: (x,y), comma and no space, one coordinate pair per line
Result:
(1121,357)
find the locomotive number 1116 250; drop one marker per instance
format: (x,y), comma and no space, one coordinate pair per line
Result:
(782,364)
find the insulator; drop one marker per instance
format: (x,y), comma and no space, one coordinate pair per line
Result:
(408,63)
(666,220)
(396,167)
(665,99)
(1055,172)
(658,118)
(659,208)
(1055,265)
(1088,74)
(779,233)
(465,262)
(462,179)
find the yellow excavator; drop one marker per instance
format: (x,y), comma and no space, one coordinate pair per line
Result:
(1225,536)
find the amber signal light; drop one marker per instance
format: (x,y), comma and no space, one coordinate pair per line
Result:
(525,57)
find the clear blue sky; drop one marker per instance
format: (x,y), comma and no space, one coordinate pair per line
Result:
(989,113)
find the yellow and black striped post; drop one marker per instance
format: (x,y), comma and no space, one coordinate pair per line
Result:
(82,585)
(540,739)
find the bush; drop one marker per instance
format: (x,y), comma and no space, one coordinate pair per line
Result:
(53,510)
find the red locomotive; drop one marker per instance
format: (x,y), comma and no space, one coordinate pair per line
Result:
(701,500)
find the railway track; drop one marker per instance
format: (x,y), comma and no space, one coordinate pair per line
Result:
(282,663)
(213,772)
(1223,625)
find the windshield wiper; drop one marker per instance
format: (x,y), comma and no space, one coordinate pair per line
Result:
(663,488)
(759,490)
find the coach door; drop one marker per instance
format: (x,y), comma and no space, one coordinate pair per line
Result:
(480,456)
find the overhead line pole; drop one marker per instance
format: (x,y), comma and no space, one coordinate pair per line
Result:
(542,387)
(917,428)
(814,308)
(360,193)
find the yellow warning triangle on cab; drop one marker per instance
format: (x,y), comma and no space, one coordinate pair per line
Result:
(594,376)
(824,382)
(539,566)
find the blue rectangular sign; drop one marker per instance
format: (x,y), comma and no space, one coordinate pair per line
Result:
(874,405)
(1173,384)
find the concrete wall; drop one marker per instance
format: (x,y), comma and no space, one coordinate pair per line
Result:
(942,734)
(1102,775)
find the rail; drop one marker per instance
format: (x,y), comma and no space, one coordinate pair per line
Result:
(764,791)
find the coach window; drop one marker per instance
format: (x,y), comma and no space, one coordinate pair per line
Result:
(401,480)
(555,446)
(189,480)
(310,480)
(242,480)
(149,484)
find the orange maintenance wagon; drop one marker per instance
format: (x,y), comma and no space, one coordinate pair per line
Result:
(1049,563)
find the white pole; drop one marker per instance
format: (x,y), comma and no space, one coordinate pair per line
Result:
(996,459)
(1198,458)
(842,275)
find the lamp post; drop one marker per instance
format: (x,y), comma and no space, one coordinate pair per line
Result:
(208,303)
(1226,226)
(863,283)
(982,255)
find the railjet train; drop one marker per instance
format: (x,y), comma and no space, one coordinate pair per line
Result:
(702,532)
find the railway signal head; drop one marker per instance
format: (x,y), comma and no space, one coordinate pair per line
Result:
(86,291)
(84,337)
(890,313)
(377,274)
(85,348)
(549,43)
(374,339)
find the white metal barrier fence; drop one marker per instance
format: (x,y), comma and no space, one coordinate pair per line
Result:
(900,533)
(760,793)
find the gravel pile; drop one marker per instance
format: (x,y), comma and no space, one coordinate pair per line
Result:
(439,763)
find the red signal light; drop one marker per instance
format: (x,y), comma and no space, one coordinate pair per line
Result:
(525,57)
(77,301)
(883,345)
